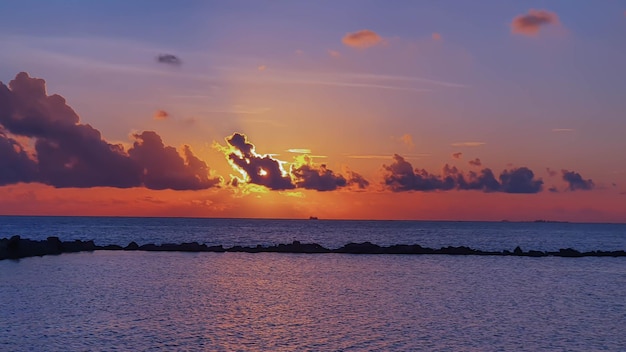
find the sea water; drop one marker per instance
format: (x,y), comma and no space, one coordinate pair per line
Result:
(144,301)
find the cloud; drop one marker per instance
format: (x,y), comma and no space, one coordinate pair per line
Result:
(160,115)
(266,171)
(436,36)
(320,178)
(530,24)
(520,180)
(407,139)
(457,155)
(169,59)
(551,172)
(261,68)
(576,182)
(362,39)
(165,168)
(475,162)
(299,150)
(15,164)
(468,144)
(70,154)
(258,169)
(401,176)
(562,130)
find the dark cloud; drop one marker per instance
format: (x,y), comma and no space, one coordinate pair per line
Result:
(400,176)
(553,189)
(576,182)
(266,171)
(70,154)
(165,168)
(520,180)
(261,169)
(530,23)
(320,178)
(169,59)
(475,162)
(15,164)
(458,155)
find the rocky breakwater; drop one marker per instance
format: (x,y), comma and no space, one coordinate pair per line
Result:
(16,247)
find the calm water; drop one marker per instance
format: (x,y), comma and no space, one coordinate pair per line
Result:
(250,232)
(287,302)
(145,301)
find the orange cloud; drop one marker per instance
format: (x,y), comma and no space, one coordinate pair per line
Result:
(436,36)
(362,39)
(262,68)
(530,23)
(160,115)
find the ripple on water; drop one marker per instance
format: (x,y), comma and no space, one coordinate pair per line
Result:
(287,302)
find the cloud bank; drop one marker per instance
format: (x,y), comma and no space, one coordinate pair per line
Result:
(401,176)
(70,154)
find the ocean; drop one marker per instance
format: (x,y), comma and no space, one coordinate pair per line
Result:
(146,301)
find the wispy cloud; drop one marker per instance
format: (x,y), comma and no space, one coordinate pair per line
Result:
(385,156)
(344,79)
(299,150)
(468,144)
(562,130)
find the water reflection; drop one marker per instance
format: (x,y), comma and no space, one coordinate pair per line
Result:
(250,302)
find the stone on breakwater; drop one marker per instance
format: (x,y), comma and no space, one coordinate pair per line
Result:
(16,247)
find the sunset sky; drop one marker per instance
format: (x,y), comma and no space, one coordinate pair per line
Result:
(433,110)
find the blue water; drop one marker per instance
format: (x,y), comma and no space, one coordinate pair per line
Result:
(495,236)
(153,301)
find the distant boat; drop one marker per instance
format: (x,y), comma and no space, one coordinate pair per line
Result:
(313,218)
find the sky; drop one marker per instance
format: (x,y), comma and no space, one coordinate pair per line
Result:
(425,110)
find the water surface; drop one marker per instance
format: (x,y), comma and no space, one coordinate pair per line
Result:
(288,302)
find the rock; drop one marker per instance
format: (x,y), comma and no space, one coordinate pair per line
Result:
(133,246)
(360,248)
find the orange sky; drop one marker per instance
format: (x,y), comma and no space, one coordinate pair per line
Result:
(431,112)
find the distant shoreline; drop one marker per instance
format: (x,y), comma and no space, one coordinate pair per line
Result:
(17,248)
(324,219)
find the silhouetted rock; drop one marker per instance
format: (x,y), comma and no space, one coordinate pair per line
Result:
(360,248)
(568,252)
(133,246)
(462,250)
(536,254)
(16,247)
(149,247)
